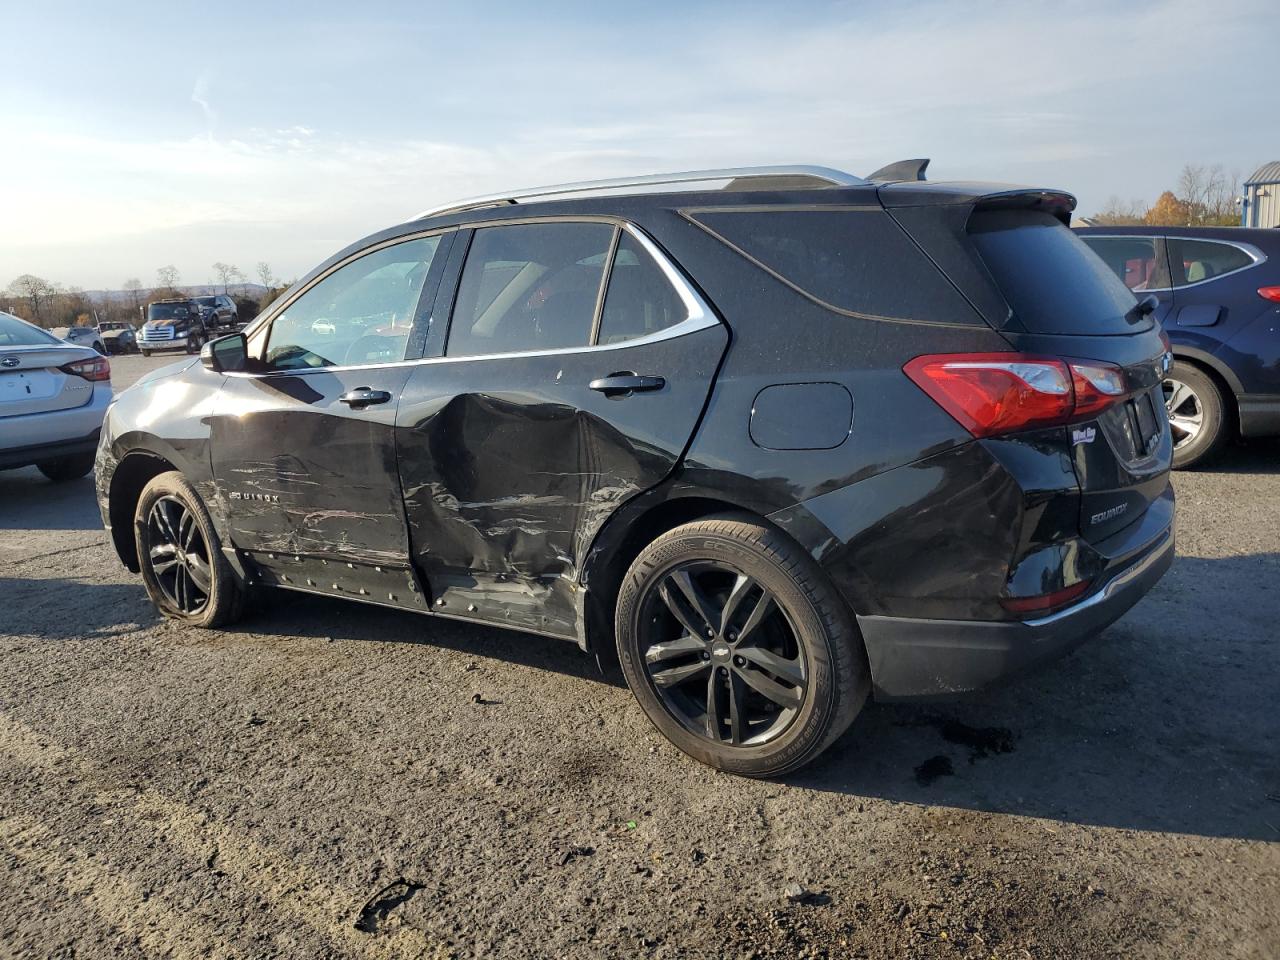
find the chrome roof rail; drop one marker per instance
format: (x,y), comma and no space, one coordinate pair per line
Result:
(786,177)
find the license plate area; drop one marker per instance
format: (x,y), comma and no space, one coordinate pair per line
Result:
(1141,423)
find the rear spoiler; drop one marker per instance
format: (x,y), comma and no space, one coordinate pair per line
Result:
(978,196)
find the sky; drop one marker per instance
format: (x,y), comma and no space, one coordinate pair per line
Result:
(141,134)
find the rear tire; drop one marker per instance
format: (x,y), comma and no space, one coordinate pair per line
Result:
(180,556)
(1197,415)
(760,690)
(67,468)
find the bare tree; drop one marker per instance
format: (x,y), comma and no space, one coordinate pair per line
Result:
(1118,213)
(137,293)
(225,272)
(167,278)
(265,275)
(1210,195)
(238,278)
(36,291)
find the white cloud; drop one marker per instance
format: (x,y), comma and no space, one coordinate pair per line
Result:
(1092,96)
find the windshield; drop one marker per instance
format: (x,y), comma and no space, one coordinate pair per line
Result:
(17,333)
(168,311)
(206,301)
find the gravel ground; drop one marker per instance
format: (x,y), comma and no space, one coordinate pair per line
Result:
(331,780)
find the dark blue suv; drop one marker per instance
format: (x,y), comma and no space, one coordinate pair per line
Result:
(1219,300)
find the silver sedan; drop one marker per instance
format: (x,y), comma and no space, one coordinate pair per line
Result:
(53,396)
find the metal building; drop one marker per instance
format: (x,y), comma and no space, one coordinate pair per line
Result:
(1261,207)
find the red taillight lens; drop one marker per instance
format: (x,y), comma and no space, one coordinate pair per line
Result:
(996,393)
(1269,293)
(1097,386)
(95,369)
(1045,602)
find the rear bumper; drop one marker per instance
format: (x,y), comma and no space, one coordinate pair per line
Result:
(28,456)
(36,437)
(917,658)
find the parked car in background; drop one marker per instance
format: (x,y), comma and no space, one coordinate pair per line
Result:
(118,336)
(1218,293)
(174,324)
(219,314)
(83,336)
(53,396)
(785,436)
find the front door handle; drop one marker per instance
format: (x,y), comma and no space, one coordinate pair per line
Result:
(626,383)
(362,397)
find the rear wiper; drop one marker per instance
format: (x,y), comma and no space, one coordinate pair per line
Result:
(1147,305)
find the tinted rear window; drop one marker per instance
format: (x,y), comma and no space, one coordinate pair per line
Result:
(1052,281)
(15,333)
(858,261)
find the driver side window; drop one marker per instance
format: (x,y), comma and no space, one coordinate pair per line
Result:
(361,313)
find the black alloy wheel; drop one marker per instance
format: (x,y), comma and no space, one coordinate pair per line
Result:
(178,556)
(722,655)
(737,646)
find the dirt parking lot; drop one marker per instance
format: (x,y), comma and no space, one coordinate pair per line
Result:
(331,780)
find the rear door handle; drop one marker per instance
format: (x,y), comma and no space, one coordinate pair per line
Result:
(362,397)
(626,383)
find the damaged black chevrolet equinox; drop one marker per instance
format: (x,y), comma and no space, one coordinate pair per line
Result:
(789,437)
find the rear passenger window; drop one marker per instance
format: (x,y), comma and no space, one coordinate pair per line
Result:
(640,299)
(529,287)
(858,261)
(1198,260)
(1139,262)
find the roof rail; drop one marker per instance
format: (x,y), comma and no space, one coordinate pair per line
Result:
(786,177)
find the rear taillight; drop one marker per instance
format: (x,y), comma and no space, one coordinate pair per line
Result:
(1270,293)
(997,393)
(95,369)
(1045,602)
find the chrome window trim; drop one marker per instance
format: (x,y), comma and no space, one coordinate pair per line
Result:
(700,317)
(1256,255)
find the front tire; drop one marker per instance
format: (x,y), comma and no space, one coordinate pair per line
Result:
(1197,415)
(738,648)
(67,468)
(145,353)
(180,556)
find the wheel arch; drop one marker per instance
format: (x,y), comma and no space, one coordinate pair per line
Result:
(134,471)
(627,532)
(1221,375)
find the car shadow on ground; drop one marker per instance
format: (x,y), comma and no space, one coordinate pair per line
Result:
(1166,722)
(1256,456)
(72,608)
(30,502)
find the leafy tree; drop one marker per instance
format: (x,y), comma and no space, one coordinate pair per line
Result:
(1168,211)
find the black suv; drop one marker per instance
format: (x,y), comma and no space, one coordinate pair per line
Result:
(173,324)
(219,313)
(787,436)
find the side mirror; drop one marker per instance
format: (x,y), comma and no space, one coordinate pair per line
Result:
(226,354)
